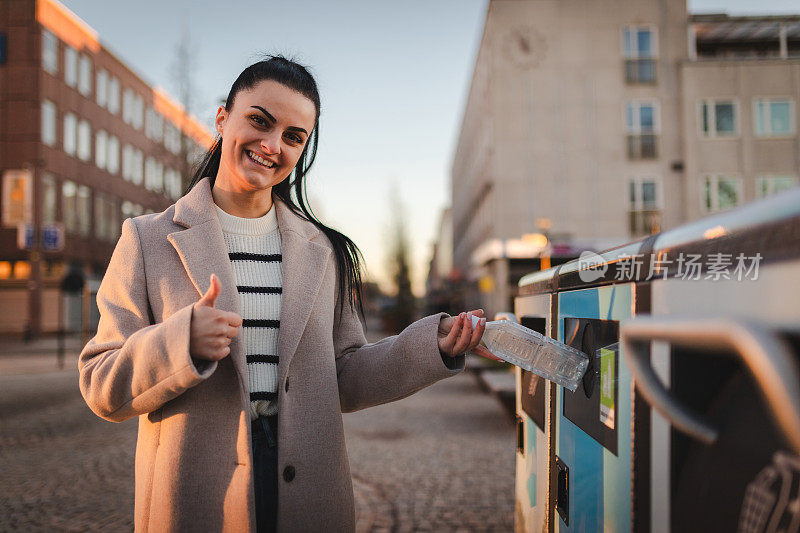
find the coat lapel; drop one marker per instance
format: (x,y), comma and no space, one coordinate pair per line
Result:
(302,267)
(202,250)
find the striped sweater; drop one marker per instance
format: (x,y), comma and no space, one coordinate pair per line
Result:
(254,249)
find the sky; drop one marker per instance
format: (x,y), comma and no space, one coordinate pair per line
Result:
(393,78)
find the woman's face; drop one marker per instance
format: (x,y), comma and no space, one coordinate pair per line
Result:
(263,136)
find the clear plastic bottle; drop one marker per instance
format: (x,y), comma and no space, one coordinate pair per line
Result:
(533,351)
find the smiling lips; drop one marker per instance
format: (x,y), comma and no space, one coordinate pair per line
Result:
(260,160)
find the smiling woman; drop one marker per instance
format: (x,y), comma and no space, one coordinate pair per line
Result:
(232,314)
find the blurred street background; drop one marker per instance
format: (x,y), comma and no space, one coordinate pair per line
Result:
(483,140)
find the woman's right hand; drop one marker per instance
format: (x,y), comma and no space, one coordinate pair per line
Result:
(212,329)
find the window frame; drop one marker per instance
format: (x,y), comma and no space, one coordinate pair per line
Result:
(69,140)
(737,118)
(715,177)
(770,178)
(85,75)
(653,41)
(101,87)
(638,202)
(634,57)
(113,96)
(768,122)
(49,123)
(84,140)
(112,147)
(69,206)
(70,66)
(101,149)
(49,52)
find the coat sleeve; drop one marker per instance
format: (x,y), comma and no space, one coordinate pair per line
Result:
(133,366)
(392,368)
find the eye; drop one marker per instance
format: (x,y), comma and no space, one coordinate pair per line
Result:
(258,119)
(294,137)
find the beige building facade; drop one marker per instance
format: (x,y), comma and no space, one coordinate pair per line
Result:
(597,123)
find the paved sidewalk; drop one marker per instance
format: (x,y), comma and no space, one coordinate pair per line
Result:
(441,459)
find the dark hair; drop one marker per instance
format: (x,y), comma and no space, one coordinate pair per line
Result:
(296,77)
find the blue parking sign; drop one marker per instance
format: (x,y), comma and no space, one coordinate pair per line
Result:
(26,238)
(52,237)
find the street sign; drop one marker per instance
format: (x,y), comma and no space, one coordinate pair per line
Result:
(26,238)
(17,197)
(53,237)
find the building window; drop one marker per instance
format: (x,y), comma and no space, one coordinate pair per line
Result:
(129,209)
(138,112)
(132,108)
(718,118)
(48,199)
(70,66)
(70,133)
(48,123)
(113,219)
(132,163)
(105,215)
(101,89)
(640,51)
(768,185)
(126,162)
(68,206)
(153,175)
(84,206)
(85,75)
(113,95)
(172,183)
(100,222)
(137,166)
(112,159)
(101,149)
(172,138)
(154,125)
(773,117)
(84,141)
(49,52)
(642,124)
(644,206)
(720,192)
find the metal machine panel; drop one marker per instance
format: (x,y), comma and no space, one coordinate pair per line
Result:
(599,481)
(533,411)
(747,478)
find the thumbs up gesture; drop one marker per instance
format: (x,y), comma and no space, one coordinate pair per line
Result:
(212,329)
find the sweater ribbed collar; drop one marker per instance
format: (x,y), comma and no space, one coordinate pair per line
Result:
(248,226)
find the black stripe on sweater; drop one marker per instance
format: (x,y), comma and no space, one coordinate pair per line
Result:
(262,358)
(259,290)
(246,256)
(263,396)
(258,323)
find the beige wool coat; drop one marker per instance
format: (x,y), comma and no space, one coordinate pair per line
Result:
(193,454)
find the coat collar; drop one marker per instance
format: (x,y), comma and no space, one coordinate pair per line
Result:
(201,247)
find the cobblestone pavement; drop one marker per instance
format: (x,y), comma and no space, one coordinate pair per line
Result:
(440,460)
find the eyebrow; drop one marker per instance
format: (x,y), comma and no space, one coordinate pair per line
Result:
(269,116)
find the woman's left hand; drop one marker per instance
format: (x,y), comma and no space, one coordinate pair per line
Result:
(457,336)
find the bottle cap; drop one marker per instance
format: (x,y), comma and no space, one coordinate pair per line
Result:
(475,321)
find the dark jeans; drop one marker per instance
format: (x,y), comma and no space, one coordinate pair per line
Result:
(265,472)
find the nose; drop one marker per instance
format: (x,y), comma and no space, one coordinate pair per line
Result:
(271,143)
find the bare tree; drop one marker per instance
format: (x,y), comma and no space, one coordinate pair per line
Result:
(184,64)
(402,312)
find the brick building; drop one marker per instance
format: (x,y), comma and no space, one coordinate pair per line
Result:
(84,143)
